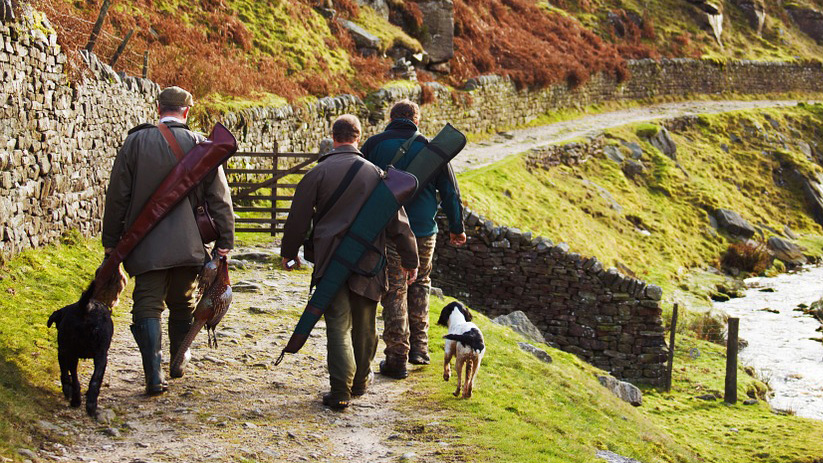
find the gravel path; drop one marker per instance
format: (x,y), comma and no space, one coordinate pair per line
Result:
(234,404)
(477,155)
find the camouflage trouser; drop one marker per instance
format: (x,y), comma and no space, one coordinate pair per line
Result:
(406,307)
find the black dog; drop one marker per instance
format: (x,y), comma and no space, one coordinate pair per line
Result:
(84,330)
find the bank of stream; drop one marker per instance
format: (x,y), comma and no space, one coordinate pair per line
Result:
(784,346)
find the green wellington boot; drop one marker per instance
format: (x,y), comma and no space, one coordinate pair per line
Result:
(178,329)
(148,335)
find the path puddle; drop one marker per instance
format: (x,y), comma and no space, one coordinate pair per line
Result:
(784,347)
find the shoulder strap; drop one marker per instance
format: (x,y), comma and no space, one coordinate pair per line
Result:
(340,189)
(175,147)
(404,148)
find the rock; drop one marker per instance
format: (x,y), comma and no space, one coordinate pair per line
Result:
(112,432)
(442,68)
(632,168)
(519,322)
(244,286)
(541,355)
(654,292)
(808,20)
(325,146)
(733,223)
(662,140)
(755,13)
(380,6)
(613,152)
(623,390)
(786,251)
(750,402)
(790,233)
(438,29)
(436,292)
(636,149)
(255,256)
(106,416)
(362,38)
(707,397)
(612,457)
(27,453)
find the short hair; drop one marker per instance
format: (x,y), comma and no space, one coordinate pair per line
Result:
(167,109)
(346,129)
(405,109)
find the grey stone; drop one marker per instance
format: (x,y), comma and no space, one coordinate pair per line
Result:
(662,140)
(809,20)
(613,152)
(362,38)
(654,292)
(255,256)
(380,6)
(786,251)
(612,457)
(733,223)
(438,29)
(244,286)
(632,168)
(636,149)
(519,322)
(541,354)
(627,392)
(755,13)
(790,233)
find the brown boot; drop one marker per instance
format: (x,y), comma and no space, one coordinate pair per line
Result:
(393,369)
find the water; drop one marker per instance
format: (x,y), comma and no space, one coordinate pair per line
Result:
(781,346)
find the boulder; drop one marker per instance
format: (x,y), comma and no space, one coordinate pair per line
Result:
(662,140)
(613,152)
(755,13)
(541,355)
(6,10)
(625,391)
(790,233)
(361,37)
(612,457)
(733,223)
(809,20)
(636,149)
(438,29)
(813,190)
(519,322)
(632,168)
(786,251)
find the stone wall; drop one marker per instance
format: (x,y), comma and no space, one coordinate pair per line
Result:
(57,142)
(609,320)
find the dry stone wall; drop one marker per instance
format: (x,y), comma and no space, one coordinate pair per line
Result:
(57,142)
(608,319)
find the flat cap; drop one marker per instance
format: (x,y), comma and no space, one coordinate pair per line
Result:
(175,96)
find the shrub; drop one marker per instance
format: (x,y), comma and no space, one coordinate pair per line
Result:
(747,257)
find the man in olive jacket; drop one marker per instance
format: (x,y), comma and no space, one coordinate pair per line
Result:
(167,261)
(351,317)
(406,305)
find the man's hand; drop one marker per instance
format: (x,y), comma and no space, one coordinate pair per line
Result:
(411,275)
(222,252)
(107,251)
(457,240)
(291,264)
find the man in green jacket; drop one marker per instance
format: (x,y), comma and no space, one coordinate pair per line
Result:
(167,261)
(351,318)
(406,306)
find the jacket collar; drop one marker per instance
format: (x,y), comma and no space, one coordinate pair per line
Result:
(340,150)
(173,123)
(401,124)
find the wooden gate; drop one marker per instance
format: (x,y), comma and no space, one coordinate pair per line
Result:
(263,186)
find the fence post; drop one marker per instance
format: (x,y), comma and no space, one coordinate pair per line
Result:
(146,65)
(671,349)
(121,48)
(730,395)
(275,167)
(95,32)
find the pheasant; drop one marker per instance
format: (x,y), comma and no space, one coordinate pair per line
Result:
(214,290)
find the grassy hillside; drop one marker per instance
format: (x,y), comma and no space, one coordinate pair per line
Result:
(232,50)
(657,224)
(524,410)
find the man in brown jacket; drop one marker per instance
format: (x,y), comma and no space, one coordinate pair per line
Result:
(166,263)
(351,318)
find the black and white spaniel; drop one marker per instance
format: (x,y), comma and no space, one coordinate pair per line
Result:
(465,341)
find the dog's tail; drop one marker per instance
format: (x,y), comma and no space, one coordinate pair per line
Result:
(472,338)
(55,318)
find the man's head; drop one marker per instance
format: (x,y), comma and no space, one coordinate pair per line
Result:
(346,130)
(175,102)
(405,109)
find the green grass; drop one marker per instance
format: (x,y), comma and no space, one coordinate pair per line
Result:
(524,410)
(33,284)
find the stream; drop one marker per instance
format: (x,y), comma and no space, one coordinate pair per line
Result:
(784,347)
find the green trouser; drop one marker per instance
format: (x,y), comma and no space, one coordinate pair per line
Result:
(155,290)
(351,341)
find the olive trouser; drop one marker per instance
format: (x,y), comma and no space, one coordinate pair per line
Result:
(406,307)
(351,334)
(173,287)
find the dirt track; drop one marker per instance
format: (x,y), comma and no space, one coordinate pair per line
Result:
(234,403)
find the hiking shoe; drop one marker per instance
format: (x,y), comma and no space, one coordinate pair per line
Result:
(360,389)
(419,358)
(335,404)
(396,372)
